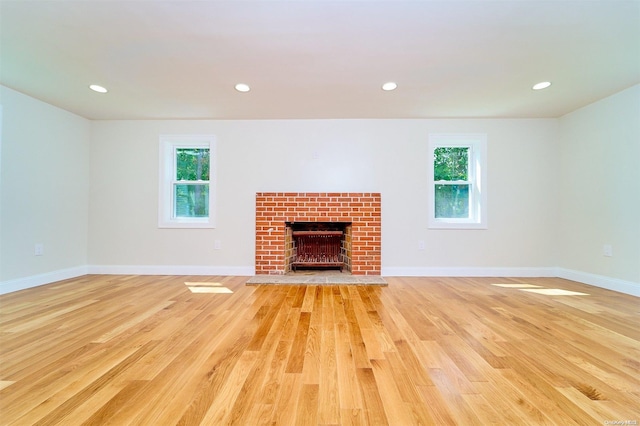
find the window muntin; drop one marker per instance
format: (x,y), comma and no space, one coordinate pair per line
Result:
(186,182)
(457,181)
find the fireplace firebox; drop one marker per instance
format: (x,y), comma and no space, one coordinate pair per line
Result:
(318,245)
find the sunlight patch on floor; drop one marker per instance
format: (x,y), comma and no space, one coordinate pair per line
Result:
(205,287)
(5,383)
(219,290)
(531,288)
(554,292)
(516,285)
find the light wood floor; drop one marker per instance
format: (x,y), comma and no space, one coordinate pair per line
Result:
(146,350)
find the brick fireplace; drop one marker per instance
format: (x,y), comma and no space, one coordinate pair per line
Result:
(275,210)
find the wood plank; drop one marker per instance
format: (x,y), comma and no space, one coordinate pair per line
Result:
(374,412)
(221,410)
(348,388)
(356,342)
(286,407)
(307,410)
(299,345)
(113,405)
(394,407)
(328,391)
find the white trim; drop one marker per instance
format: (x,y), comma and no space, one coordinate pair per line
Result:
(42,279)
(171,270)
(621,286)
(467,272)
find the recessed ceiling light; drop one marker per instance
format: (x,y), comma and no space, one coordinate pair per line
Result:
(97,88)
(389,86)
(541,85)
(241,87)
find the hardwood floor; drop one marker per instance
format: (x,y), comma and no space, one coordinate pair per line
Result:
(146,350)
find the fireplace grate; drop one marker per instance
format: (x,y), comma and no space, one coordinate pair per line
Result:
(317,249)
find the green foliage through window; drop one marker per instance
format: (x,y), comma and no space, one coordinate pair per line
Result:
(192,164)
(191,200)
(452,201)
(451,163)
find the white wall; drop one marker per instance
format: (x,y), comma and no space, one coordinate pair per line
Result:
(386,156)
(44,191)
(600,187)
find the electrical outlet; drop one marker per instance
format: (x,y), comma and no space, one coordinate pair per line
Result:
(607,250)
(38,249)
(421,245)
(217,244)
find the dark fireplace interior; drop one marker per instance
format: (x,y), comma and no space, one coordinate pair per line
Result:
(318,246)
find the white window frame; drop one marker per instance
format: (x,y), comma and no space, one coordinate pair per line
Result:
(477,144)
(168,146)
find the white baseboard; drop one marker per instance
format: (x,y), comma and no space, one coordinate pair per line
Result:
(467,272)
(41,279)
(171,270)
(621,286)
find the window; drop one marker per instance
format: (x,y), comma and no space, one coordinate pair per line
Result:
(187,188)
(457,181)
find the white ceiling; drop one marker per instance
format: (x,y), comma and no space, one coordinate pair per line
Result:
(319,59)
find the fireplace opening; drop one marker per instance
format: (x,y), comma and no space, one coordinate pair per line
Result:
(317,246)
